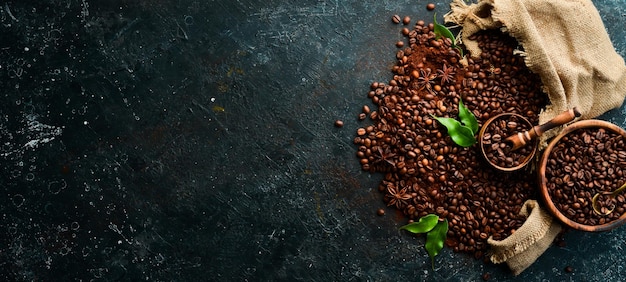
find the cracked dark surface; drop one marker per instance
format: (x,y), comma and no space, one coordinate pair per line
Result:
(193,140)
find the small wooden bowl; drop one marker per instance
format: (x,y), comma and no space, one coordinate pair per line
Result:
(543,184)
(483,130)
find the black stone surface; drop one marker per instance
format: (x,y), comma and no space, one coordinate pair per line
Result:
(193,140)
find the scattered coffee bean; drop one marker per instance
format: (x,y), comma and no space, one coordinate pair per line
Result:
(430,6)
(486,276)
(406,20)
(380,212)
(339,123)
(366,109)
(569,269)
(395,19)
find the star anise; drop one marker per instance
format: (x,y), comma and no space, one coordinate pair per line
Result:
(383,156)
(397,197)
(426,80)
(446,74)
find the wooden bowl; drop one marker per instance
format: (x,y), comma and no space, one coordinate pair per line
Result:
(543,181)
(482,145)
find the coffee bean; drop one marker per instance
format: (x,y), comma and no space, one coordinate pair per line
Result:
(433,192)
(430,6)
(366,109)
(395,19)
(406,20)
(339,123)
(374,115)
(380,212)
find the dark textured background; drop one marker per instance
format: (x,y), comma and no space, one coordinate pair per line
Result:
(193,140)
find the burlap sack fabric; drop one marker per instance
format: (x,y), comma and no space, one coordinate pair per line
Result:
(524,246)
(566,44)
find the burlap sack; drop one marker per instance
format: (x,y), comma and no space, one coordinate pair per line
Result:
(564,42)
(524,246)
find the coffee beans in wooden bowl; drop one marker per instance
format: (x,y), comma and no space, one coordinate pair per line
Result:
(497,151)
(588,157)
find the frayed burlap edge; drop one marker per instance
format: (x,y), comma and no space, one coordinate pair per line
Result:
(526,244)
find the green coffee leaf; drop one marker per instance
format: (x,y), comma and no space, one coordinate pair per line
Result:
(442,31)
(460,134)
(435,239)
(467,118)
(425,224)
(436,233)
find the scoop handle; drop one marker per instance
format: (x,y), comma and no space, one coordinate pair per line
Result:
(521,138)
(559,120)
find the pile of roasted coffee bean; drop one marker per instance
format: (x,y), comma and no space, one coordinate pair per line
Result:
(583,163)
(425,172)
(500,152)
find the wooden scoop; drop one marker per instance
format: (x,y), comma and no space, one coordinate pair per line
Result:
(611,196)
(522,138)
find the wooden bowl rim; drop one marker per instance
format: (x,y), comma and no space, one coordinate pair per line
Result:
(592,123)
